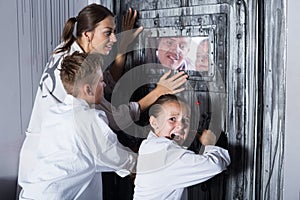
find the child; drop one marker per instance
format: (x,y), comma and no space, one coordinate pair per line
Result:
(76,144)
(164,168)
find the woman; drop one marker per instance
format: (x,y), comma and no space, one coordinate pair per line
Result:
(95,32)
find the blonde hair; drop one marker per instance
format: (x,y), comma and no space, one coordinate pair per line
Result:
(78,69)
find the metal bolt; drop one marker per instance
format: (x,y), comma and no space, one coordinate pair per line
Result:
(238,136)
(239,104)
(200,20)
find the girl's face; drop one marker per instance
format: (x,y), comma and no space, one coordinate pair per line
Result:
(173,121)
(103,37)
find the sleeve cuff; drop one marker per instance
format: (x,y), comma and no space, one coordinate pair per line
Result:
(134,110)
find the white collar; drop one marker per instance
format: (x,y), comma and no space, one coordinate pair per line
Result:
(71,100)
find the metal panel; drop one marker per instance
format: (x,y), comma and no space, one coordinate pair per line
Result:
(216,21)
(274,91)
(233,26)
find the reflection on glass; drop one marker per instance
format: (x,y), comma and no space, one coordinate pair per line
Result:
(201,63)
(173,52)
(180,53)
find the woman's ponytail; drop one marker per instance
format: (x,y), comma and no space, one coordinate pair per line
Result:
(67,36)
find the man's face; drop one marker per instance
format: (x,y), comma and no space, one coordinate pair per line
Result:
(173,121)
(172,51)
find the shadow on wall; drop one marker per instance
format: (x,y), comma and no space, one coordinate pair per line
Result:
(8,188)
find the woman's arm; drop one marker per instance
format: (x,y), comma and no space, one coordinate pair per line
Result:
(127,37)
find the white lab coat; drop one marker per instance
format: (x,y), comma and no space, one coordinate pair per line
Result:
(164,168)
(51,92)
(75,146)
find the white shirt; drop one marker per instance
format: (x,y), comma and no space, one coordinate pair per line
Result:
(164,168)
(75,146)
(51,92)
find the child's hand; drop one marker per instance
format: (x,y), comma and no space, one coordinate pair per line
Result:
(207,138)
(171,85)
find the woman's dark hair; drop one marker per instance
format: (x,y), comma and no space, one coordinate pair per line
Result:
(80,68)
(87,20)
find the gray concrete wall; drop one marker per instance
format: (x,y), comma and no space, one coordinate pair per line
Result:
(10,105)
(25,48)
